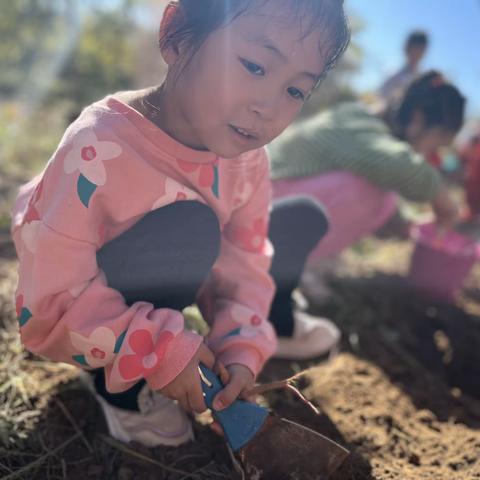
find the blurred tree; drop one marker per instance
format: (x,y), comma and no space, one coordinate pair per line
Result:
(57,56)
(103,59)
(65,49)
(27,29)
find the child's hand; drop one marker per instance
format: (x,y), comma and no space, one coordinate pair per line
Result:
(446,210)
(238,380)
(186,387)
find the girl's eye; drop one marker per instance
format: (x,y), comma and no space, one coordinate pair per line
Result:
(296,93)
(253,68)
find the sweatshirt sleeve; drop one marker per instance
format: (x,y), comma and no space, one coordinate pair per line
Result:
(393,165)
(383,160)
(66,310)
(236,298)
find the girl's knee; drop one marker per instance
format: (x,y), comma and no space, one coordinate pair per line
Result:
(188,214)
(301,213)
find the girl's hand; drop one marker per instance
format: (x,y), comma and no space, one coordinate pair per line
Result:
(446,210)
(238,380)
(186,387)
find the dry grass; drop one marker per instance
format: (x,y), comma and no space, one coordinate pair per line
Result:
(26,386)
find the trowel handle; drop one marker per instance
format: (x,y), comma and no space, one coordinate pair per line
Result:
(211,384)
(241,420)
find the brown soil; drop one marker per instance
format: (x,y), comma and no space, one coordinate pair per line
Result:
(403,395)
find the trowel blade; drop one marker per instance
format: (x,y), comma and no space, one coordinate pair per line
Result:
(285,450)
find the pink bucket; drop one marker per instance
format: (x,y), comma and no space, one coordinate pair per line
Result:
(441,263)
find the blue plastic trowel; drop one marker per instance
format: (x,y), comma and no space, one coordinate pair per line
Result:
(270,447)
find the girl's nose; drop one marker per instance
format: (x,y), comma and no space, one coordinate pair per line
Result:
(266,108)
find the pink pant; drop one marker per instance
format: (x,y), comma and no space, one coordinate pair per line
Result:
(355,207)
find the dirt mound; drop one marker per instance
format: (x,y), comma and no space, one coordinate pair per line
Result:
(380,422)
(403,396)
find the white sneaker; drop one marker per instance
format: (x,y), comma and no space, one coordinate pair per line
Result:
(160,420)
(312,337)
(315,288)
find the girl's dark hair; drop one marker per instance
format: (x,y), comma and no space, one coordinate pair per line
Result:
(441,104)
(194,20)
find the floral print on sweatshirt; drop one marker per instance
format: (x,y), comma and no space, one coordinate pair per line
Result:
(87,156)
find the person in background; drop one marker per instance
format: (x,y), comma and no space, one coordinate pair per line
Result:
(356,164)
(159,198)
(470,158)
(394,87)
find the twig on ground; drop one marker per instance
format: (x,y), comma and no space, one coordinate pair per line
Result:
(64,469)
(236,463)
(196,472)
(286,384)
(187,457)
(15,453)
(39,461)
(120,446)
(9,470)
(69,417)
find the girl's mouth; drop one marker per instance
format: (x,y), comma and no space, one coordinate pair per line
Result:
(244,133)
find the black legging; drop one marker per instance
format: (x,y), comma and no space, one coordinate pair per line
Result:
(166,256)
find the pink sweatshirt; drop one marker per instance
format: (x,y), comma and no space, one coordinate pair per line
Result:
(112,167)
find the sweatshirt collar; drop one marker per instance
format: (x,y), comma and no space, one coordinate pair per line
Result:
(158,137)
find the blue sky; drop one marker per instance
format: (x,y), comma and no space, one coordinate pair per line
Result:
(454,29)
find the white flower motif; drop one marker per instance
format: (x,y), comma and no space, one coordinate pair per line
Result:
(174,192)
(243,194)
(78,289)
(29,235)
(98,348)
(252,324)
(250,332)
(88,154)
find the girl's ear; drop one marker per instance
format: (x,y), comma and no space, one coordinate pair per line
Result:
(169,51)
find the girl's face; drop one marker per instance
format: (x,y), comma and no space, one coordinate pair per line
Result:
(432,139)
(245,84)
(427,140)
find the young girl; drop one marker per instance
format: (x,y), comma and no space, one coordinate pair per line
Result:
(356,163)
(160,197)
(353,161)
